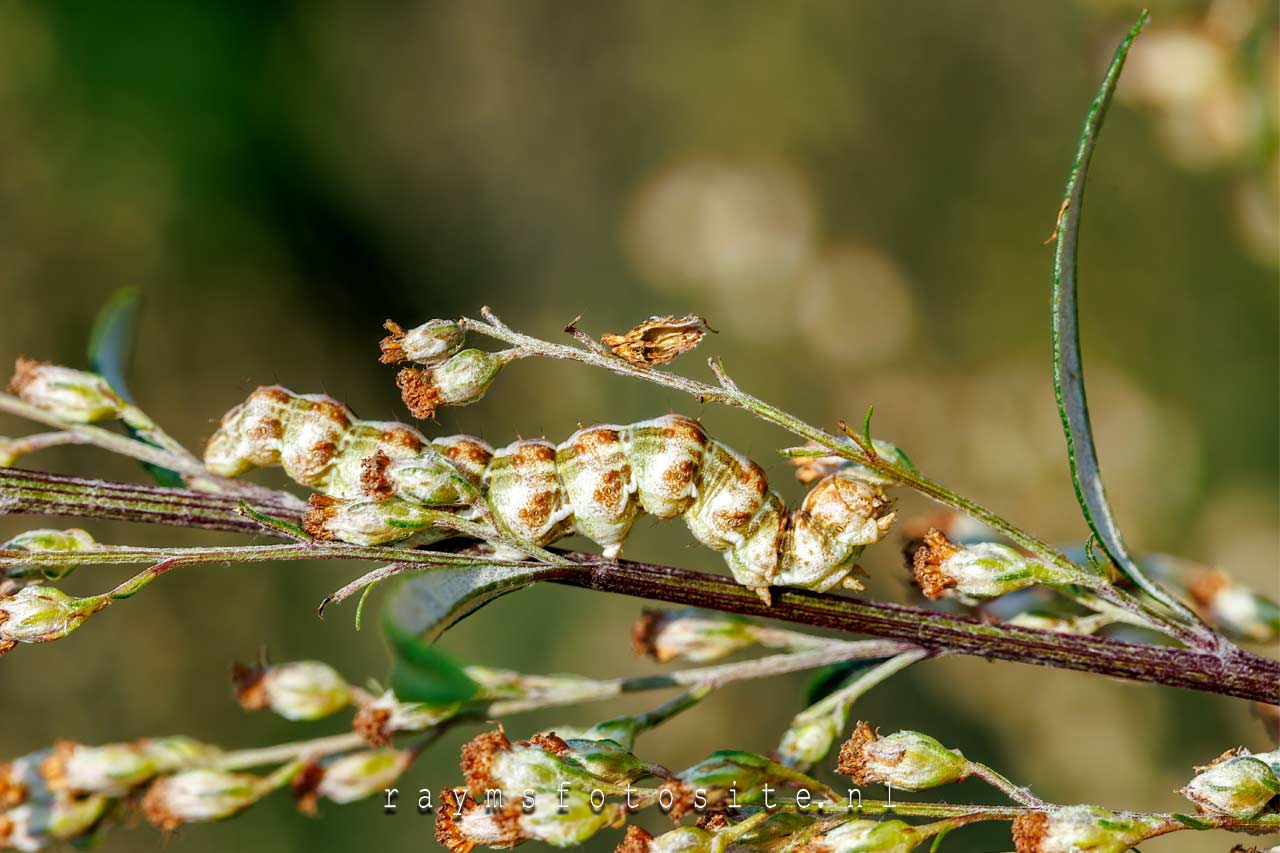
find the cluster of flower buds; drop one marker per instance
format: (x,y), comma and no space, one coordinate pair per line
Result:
(74,396)
(448,375)
(381,482)
(1237,610)
(1075,829)
(44,541)
(944,568)
(38,614)
(1236,784)
(908,760)
(299,690)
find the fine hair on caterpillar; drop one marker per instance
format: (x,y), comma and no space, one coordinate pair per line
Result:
(382,482)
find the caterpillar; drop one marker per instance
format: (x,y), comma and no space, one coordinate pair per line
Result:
(381,482)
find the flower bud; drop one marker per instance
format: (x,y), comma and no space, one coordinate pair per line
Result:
(300,690)
(568,821)
(459,381)
(908,760)
(362,774)
(685,839)
(177,752)
(38,614)
(430,343)
(365,522)
(113,769)
(1075,829)
(20,779)
(693,635)
(34,826)
(72,395)
(603,759)
(810,469)
(378,720)
(984,570)
(1239,786)
(809,737)
(490,761)
(869,836)
(43,541)
(1272,759)
(745,772)
(1240,612)
(196,796)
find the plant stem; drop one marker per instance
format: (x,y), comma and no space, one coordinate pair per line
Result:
(1240,674)
(242,759)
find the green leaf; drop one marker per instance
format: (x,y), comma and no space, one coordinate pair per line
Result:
(110,351)
(421,673)
(1068,369)
(427,605)
(831,678)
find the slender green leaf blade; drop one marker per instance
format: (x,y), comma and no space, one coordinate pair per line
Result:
(422,673)
(1068,368)
(111,350)
(427,605)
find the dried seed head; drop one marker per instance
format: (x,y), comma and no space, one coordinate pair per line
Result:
(38,614)
(113,769)
(460,380)
(45,541)
(1239,786)
(362,774)
(197,796)
(75,396)
(491,761)
(839,517)
(1237,610)
(692,635)
(868,836)
(983,570)
(35,826)
(657,340)
(637,840)
(525,495)
(596,477)
(1075,829)
(908,760)
(430,343)
(299,690)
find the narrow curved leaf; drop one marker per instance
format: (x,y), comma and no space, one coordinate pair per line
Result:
(427,605)
(422,673)
(1068,369)
(111,350)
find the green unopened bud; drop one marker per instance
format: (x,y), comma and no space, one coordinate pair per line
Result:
(869,836)
(196,796)
(362,774)
(908,760)
(1077,829)
(385,716)
(1239,786)
(568,818)
(459,381)
(430,343)
(689,634)
(603,759)
(745,772)
(44,541)
(37,825)
(38,614)
(686,839)
(113,769)
(75,396)
(983,570)
(299,690)
(1240,612)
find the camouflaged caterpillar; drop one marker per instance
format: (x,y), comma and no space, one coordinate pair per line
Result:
(382,482)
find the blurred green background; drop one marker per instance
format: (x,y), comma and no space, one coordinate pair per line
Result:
(856,196)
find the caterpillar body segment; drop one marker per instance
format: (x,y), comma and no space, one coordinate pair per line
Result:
(384,483)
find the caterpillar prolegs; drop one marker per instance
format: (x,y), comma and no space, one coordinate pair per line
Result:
(385,482)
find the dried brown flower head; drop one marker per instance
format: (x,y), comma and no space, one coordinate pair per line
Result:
(1029,831)
(635,841)
(927,561)
(657,340)
(477,759)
